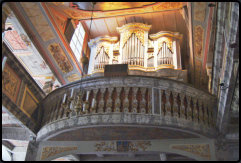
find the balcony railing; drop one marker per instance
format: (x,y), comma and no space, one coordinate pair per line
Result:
(135,95)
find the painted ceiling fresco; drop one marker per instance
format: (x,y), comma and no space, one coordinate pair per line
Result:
(26,53)
(108,6)
(202,21)
(117,8)
(48,39)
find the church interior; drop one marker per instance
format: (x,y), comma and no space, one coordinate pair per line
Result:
(120,81)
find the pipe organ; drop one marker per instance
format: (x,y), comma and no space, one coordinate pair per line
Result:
(136,48)
(133,51)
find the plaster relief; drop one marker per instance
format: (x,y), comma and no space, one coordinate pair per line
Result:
(60,57)
(15,40)
(10,83)
(198,40)
(199,11)
(38,20)
(201,150)
(123,146)
(51,151)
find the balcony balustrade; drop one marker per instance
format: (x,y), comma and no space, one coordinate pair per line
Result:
(158,101)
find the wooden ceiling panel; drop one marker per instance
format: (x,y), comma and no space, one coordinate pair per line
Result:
(121,21)
(169,19)
(158,22)
(138,19)
(130,19)
(147,19)
(104,28)
(111,24)
(93,30)
(181,26)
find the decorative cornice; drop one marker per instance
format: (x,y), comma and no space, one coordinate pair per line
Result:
(84,14)
(129,26)
(100,39)
(175,35)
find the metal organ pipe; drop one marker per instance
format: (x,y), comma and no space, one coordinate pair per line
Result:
(138,52)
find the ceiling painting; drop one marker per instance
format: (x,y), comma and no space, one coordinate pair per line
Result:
(199,11)
(38,20)
(60,19)
(60,58)
(198,40)
(57,54)
(109,6)
(10,83)
(24,50)
(102,9)
(15,40)
(29,102)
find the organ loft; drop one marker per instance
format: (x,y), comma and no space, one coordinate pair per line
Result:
(120,81)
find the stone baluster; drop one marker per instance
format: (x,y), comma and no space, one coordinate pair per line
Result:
(142,108)
(71,104)
(61,110)
(182,106)
(212,118)
(109,100)
(67,110)
(93,108)
(149,101)
(101,102)
(168,104)
(205,114)
(126,100)
(79,103)
(57,108)
(62,107)
(49,119)
(118,100)
(195,110)
(189,108)
(134,99)
(209,118)
(201,110)
(163,103)
(209,115)
(175,105)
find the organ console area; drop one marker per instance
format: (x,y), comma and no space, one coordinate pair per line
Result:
(143,53)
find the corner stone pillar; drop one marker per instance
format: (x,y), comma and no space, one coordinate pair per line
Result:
(32,150)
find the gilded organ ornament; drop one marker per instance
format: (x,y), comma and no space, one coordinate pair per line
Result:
(51,151)
(202,150)
(168,42)
(139,35)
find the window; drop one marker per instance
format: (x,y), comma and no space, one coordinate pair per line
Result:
(77,40)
